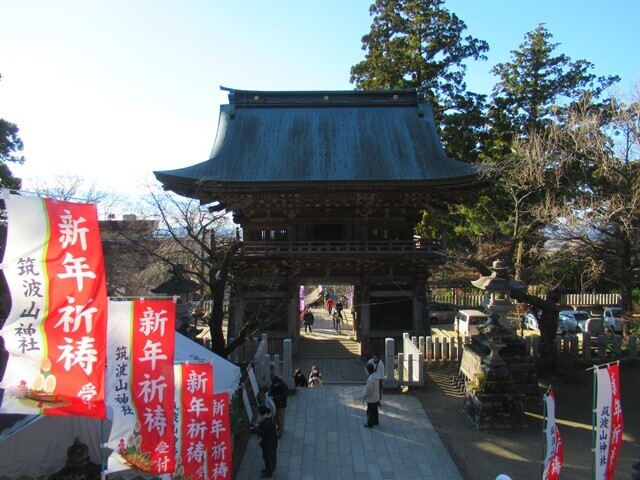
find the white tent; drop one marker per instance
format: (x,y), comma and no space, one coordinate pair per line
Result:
(37,446)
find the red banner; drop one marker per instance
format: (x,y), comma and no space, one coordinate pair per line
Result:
(196,408)
(141,385)
(554,450)
(609,421)
(56,331)
(220,453)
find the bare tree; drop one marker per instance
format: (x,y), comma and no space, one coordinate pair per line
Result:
(204,242)
(525,175)
(596,216)
(69,187)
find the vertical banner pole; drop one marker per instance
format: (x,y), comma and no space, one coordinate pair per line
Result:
(545,425)
(593,424)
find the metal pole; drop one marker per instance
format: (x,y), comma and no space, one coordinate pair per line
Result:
(593,424)
(545,425)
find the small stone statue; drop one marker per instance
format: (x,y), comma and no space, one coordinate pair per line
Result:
(78,465)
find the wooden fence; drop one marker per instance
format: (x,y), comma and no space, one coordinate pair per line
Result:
(585,348)
(581,348)
(469,300)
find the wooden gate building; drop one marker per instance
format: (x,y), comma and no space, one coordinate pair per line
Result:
(327,187)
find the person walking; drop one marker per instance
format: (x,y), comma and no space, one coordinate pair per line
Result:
(307,319)
(266,430)
(378,371)
(329,305)
(337,319)
(279,392)
(372,397)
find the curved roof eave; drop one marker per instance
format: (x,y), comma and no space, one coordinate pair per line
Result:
(313,138)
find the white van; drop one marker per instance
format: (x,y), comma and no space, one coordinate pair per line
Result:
(466,321)
(613,319)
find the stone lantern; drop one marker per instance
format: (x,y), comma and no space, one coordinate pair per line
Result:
(499,286)
(184,289)
(497,370)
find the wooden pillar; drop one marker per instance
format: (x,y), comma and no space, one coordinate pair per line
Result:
(293,314)
(420,321)
(365,318)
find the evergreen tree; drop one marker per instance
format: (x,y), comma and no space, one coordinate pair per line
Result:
(535,89)
(10,148)
(420,44)
(536,83)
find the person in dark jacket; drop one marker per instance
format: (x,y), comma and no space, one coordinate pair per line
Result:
(78,465)
(279,391)
(266,430)
(300,379)
(307,319)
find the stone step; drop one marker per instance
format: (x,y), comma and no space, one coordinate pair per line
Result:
(327,348)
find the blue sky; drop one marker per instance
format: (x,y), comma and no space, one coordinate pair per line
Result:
(114,89)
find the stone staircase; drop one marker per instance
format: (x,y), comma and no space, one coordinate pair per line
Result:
(326,348)
(337,355)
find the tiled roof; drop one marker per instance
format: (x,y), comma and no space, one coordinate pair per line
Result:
(325,136)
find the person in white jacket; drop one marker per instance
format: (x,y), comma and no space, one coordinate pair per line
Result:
(372,397)
(378,370)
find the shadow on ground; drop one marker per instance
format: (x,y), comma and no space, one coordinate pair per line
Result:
(482,456)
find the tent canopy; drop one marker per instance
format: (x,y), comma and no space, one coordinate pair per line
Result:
(37,445)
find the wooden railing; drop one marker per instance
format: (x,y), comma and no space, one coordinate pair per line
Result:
(335,247)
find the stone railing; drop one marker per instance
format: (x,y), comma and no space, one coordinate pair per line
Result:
(266,366)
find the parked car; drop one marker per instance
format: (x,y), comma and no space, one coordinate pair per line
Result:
(531,322)
(441,312)
(572,321)
(613,319)
(466,320)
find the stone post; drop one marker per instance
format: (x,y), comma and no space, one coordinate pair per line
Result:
(536,346)
(602,347)
(633,346)
(617,345)
(586,346)
(573,346)
(286,359)
(276,367)
(389,362)
(265,370)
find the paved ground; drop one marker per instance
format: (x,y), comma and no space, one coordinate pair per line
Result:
(482,456)
(325,439)
(325,436)
(425,434)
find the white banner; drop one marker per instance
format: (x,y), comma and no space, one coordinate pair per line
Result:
(609,422)
(23,262)
(554,449)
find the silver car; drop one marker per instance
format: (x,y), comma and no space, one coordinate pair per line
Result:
(572,321)
(441,312)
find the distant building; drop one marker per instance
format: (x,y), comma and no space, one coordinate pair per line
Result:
(123,260)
